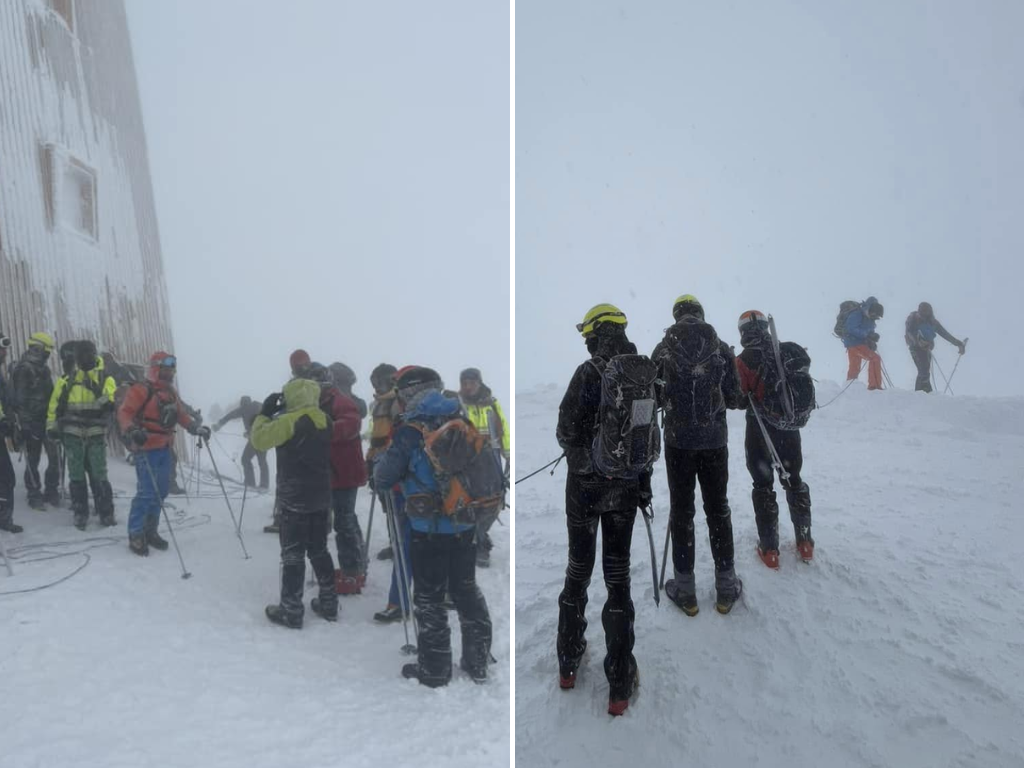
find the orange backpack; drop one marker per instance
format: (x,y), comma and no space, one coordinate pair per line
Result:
(465,465)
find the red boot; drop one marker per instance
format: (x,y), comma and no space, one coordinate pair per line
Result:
(769,557)
(347,585)
(806,550)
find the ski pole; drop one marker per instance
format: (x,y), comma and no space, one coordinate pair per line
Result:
(369,530)
(888,381)
(776,461)
(238,530)
(241,512)
(403,585)
(949,381)
(156,491)
(664,557)
(648,515)
(943,375)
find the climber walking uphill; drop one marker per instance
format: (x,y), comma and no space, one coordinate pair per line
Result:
(31,390)
(7,478)
(147,418)
(484,411)
(247,411)
(292,422)
(855,325)
(697,383)
(780,422)
(442,548)
(922,328)
(598,499)
(79,406)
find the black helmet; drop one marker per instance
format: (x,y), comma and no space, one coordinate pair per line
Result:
(343,376)
(417,379)
(85,355)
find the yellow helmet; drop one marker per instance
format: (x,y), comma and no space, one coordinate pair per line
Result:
(686,298)
(44,340)
(601,313)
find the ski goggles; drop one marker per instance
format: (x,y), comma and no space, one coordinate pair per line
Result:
(587,326)
(5,341)
(169,362)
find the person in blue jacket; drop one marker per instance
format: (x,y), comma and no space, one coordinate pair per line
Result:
(861,341)
(922,328)
(442,548)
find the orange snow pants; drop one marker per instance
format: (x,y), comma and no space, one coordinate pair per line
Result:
(858,353)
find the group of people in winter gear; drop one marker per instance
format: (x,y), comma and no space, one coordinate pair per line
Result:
(315,428)
(692,378)
(855,325)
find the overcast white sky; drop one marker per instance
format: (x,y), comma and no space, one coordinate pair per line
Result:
(778,156)
(329,175)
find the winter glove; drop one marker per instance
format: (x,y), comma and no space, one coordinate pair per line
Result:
(6,427)
(199,431)
(217,426)
(961,346)
(873,337)
(872,345)
(646,494)
(272,405)
(53,433)
(137,436)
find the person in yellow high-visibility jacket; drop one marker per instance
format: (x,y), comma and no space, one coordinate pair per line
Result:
(78,417)
(484,411)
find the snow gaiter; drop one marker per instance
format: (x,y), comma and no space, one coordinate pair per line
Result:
(800,511)
(766,514)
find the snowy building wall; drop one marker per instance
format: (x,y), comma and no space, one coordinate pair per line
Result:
(79,247)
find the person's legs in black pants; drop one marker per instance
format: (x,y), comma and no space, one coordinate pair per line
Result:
(430,554)
(617,616)
(474,618)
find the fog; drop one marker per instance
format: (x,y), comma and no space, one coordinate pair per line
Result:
(777,156)
(332,176)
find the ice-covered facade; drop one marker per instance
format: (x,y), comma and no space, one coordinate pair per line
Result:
(79,246)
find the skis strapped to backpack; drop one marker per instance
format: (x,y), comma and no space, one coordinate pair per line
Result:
(465,467)
(789,396)
(627,441)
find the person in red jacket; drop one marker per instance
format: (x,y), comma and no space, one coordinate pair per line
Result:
(147,418)
(348,474)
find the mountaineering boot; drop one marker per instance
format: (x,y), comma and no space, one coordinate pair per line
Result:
(348,585)
(386,553)
(800,512)
(37,503)
(769,557)
(272,528)
(389,615)
(620,693)
(52,497)
(729,588)
(477,673)
(80,519)
(79,503)
(415,672)
(105,503)
(682,590)
(7,519)
(279,615)
(173,489)
(567,670)
(137,544)
(154,539)
(326,612)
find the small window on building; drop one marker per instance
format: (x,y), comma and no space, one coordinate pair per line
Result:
(65,9)
(71,194)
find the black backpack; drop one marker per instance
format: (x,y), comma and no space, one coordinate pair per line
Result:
(846,309)
(797,365)
(627,441)
(694,370)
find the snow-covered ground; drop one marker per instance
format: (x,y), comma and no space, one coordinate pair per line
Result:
(901,645)
(126,664)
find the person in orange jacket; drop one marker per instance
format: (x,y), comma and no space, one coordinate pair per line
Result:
(147,418)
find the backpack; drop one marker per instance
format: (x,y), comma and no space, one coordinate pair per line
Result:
(627,441)
(846,309)
(693,370)
(797,365)
(465,466)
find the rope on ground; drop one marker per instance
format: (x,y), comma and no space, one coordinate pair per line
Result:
(826,405)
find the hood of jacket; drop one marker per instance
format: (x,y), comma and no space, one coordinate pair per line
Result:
(301,393)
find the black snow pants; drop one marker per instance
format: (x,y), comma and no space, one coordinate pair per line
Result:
(441,561)
(35,444)
(685,469)
(302,535)
(7,480)
(923,360)
(798,495)
(584,515)
(347,534)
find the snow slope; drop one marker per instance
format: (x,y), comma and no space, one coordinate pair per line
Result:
(901,645)
(125,663)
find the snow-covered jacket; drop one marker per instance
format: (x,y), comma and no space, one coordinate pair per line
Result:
(405,463)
